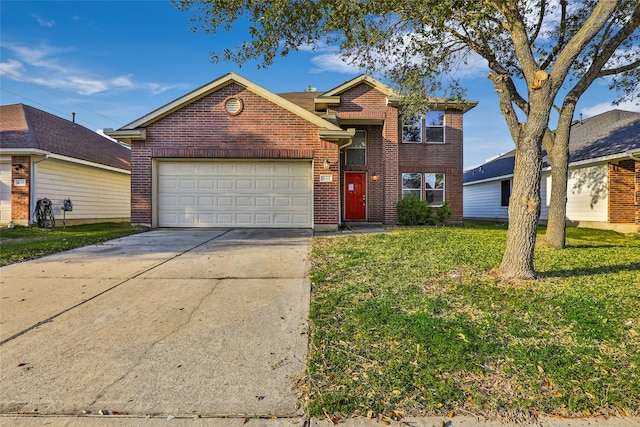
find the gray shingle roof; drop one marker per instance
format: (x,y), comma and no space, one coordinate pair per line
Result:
(607,134)
(23,126)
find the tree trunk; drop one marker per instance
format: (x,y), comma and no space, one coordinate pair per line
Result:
(556,222)
(557,146)
(524,209)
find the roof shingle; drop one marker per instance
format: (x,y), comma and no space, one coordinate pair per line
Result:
(23,126)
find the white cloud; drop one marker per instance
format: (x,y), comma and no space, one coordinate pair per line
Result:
(43,22)
(332,62)
(12,67)
(603,107)
(42,65)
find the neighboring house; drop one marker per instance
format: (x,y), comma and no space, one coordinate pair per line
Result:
(233,154)
(45,156)
(604,176)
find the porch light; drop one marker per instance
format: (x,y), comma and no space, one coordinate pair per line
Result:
(374,177)
(326,164)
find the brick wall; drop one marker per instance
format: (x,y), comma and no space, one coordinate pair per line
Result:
(204,130)
(20,195)
(364,103)
(444,158)
(623,192)
(638,192)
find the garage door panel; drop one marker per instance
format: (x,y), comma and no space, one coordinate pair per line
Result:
(234,194)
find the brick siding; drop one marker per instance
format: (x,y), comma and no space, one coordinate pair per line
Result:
(624,192)
(204,130)
(444,158)
(20,195)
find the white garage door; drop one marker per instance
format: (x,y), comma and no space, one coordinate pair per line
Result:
(239,193)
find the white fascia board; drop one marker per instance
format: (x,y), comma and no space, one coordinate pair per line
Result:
(23,152)
(87,163)
(496,178)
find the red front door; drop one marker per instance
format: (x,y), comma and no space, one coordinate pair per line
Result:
(355,198)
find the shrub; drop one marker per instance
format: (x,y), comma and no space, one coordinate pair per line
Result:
(413,211)
(444,213)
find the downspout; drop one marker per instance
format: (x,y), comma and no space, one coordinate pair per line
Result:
(340,147)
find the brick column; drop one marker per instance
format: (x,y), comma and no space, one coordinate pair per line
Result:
(21,195)
(390,174)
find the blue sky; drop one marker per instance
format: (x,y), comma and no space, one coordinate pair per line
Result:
(112,62)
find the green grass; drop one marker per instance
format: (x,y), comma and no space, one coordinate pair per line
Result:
(23,243)
(417,321)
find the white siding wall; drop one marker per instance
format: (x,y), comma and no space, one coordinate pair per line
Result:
(5,192)
(483,201)
(587,193)
(96,194)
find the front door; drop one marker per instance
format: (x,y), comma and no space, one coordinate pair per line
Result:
(355,198)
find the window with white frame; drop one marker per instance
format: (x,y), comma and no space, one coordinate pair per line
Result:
(356,154)
(412,130)
(434,127)
(412,185)
(434,188)
(428,129)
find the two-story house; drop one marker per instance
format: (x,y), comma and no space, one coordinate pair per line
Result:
(233,154)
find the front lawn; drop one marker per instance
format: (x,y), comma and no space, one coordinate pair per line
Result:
(415,322)
(23,243)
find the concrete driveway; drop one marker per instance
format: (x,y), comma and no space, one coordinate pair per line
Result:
(164,323)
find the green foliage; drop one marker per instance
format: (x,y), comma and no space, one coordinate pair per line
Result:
(414,320)
(444,213)
(413,211)
(24,243)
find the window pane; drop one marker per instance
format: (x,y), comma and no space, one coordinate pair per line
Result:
(355,157)
(505,192)
(434,134)
(411,181)
(434,180)
(407,193)
(359,140)
(435,197)
(435,118)
(356,152)
(412,130)
(434,188)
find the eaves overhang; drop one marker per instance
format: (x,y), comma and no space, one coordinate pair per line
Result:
(340,135)
(438,103)
(126,135)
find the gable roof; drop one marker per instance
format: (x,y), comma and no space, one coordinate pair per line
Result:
(332,97)
(27,130)
(610,135)
(135,129)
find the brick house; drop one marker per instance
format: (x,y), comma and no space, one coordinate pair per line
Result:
(45,156)
(233,154)
(603,190)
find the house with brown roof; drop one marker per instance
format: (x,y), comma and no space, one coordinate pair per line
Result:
(45,156)
(233,154)
(603,190)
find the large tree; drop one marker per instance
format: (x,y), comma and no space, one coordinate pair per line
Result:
(540,53)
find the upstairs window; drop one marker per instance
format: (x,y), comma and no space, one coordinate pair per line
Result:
(434,127)
(434,188)
(428,129)
(357,152)
(412,131)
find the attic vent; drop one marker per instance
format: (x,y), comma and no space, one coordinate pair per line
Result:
(233,106)
(310,89)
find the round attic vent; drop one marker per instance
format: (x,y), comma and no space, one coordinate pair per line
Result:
(233,106)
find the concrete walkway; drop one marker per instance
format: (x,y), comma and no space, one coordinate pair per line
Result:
(164,323)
